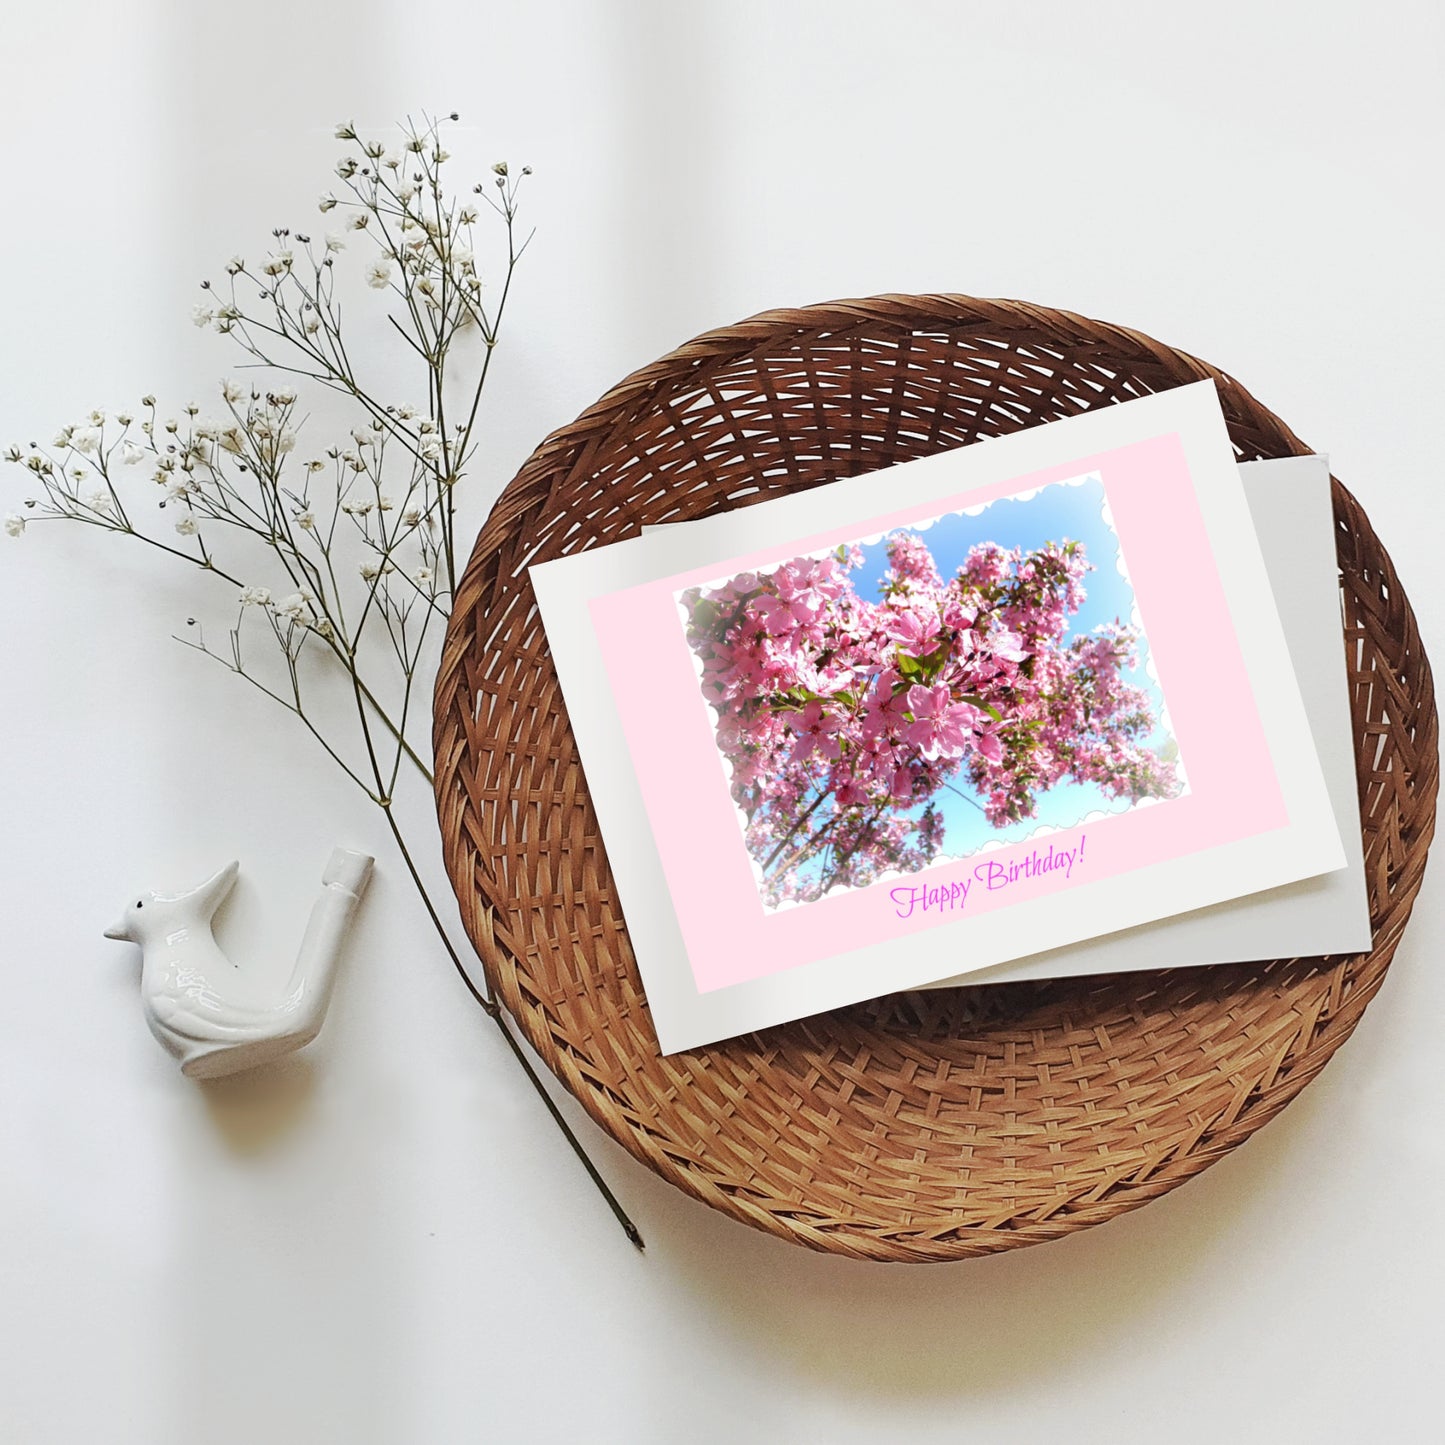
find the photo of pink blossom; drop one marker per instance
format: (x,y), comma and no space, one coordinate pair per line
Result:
(916,696)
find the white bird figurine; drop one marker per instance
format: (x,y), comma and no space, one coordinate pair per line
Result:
(210,1014)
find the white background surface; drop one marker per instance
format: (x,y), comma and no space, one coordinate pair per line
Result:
(385,1241)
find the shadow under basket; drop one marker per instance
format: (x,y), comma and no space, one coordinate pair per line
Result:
(922,1126)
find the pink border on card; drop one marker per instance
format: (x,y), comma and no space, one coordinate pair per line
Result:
(1233,792)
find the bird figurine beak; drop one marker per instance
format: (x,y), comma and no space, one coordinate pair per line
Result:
(119,932)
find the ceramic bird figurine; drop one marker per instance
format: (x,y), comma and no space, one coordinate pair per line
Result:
(213,1016)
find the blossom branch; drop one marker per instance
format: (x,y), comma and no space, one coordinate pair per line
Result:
(342,563)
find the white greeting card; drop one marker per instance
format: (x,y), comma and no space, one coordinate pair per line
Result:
(978,706)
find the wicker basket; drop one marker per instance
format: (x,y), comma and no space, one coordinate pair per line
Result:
(924,1126)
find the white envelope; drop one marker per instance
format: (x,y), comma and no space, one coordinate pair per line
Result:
(1289,500)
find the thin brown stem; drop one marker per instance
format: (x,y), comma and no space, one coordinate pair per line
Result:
(233,477)
(496,1013)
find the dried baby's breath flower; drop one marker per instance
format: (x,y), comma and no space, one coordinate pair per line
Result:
(237,478)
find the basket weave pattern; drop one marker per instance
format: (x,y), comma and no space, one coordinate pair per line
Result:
(923,1126)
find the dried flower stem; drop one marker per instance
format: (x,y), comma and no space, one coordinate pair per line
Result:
(379,506)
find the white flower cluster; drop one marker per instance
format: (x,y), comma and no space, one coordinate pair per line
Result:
(234,476)
(231,475)
(296,607)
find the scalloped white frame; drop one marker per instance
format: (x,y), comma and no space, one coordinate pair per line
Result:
(870,539)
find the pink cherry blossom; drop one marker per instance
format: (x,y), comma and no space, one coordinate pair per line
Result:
(914,633)
(816,731)
(941,728)
(845,718)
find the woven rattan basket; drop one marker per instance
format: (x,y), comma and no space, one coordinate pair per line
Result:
(924,1126)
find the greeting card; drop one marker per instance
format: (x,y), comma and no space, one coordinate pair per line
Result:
(917,723)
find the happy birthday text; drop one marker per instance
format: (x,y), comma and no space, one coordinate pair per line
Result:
(952,897)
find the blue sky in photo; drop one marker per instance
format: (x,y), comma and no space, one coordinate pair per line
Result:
(1057,513)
